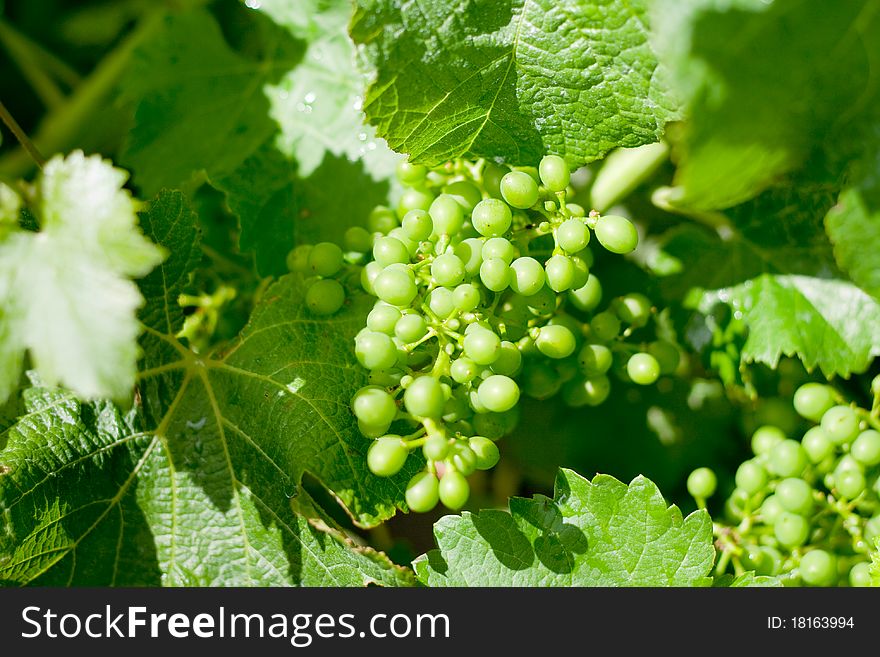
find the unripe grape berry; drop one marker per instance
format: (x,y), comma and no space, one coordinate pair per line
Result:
(509,360)
(573,235)
(374,406)
(595,359)
(791,530)
(411,174)
(410,328)
(492,175)
(560,272)
(381,220)
(389,250)
(465,193)
(498,247)
(701,483)
(811,400)
(462,458)
(375,351)
(787,459)
(818,568)
(643,368)
(495,274)
(849,483)
(581,271)
(424,397)
(765,438)
(436,447)
(556,341)
(751,477)
(540,381)
(633,309)
(616,233)
(441,302)
(446,214)
(413,199)
(840,424)
(447,270)
(771,508)
(542,302)
(395,287)
(586,298)
(454,490)
(591,391)
(860,575)
(491,217)
(605,326)
(368,275)
(358,239)
(817,445)
(527,276)
(482,346)
(466,297)
(298,258)
(498,393)
(795,495)
(554,173)
(519,189)
(326,259)
(486,451)
(418,225)
(325,297)
(866,447)
(463,370)
(422,492)
(386,456)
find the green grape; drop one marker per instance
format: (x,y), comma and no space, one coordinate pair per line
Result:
(463,370)
(465,193)
(866,448)
(386,456)
(872,529)
(358,239)
(643,368)
(412,248)
(441,302)
(325,297)
(326,259)
(787,459)
(454,490)
(633,309)
(466,297)
(462,458)
(572,235)
(389,250)
(382,220)
(816,445)
(540,381)
(519,189)
(811,400)
(847,462)
(383,318)
(586,298)
(576,209)
(595,359)
(818,568)
(605,326)
(436,447)
(498,393)
(667,355)
(581,272)
(765,438)
(701,483)
(413,199)
(509,360)
(556,341)
(424,397)
(860,575)
(373,430)
(486,451)
(791,530)
(586,392)
(492,175)
(527,276)
(411,328)
(418,225)
(554,173)
(411,174)
(374,406)
(542,302)
(447,270)
(795,495)
(470,253)
(560,272)
(422,492)
(368,276)
(751,477)
(498,247)
(495,274)
(491,217)
(446,214)
(617,234)
(840,424)
(395,286)
(849,483)
(298,258)
(771,507)
(375,351)
(482,346)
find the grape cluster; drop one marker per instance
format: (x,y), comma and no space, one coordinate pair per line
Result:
(484,292)
(806,510)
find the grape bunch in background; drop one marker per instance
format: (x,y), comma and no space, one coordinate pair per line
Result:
(808,509)
(484,292)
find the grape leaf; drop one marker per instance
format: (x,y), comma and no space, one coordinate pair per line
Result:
(763,89)
(808,317)
(748,580)
(599,533)
(195,485)
(199,104)
(66,294)
(511,79)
